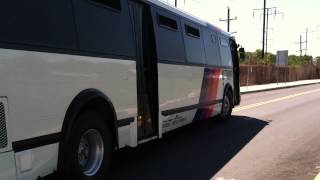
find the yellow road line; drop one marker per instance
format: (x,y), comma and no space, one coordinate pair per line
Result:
(318,177)
(241,108)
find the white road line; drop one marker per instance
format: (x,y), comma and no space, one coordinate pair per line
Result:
(221,178)
(241,108)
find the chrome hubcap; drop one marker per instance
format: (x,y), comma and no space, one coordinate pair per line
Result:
(90,152)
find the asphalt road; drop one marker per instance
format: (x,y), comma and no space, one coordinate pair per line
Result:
(272,135)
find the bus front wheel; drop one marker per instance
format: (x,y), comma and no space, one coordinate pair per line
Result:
(90,149)
(227,106)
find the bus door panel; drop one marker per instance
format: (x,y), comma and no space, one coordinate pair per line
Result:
(179,88)
(146,71)
(236,71)
(179,84)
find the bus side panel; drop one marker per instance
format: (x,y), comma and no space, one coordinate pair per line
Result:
(42,161)
(179,86)
(204,87)
(188,90)
(211,92)
(40,87)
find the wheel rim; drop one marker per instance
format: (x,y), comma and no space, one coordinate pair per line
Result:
(226,105)
(90,152)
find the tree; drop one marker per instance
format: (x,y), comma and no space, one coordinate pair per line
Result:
(255,58)
(299,61)
(270,59)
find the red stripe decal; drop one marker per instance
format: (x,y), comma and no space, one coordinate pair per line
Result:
(213,90)
(210,89)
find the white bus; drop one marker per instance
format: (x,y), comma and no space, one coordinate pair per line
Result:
(80,79)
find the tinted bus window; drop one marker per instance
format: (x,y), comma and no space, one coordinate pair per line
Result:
(226,59)
(116,4)
(168,35)
(211,42)
(103,29)
(191,31)
(193,43)
(166,22)
(38,22)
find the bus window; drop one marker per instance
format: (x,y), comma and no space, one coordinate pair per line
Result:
(226,59)
(193,43)
(104,30)
(116,4)
(168,36)
(193,32)
(38,23)
(212,48)
(167,23)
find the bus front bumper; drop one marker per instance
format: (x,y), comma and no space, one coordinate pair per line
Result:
(7,166)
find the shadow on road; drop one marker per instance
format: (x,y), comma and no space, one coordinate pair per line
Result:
(197,151)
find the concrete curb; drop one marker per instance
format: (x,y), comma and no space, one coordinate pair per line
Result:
(275,88)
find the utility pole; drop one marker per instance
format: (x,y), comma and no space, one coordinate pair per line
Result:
(264,26)
(300,44)
(228,20)
(306,42)
(307,32)
(176,3)
(275,13)
(267,29)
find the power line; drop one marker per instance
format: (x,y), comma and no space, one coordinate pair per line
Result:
(228,20)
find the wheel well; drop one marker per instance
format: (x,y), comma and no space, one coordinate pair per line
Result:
(105,110)
(90,99)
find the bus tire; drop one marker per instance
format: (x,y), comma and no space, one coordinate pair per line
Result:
(90,148)
(227,106)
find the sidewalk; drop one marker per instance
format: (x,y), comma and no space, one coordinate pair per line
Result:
(268,87)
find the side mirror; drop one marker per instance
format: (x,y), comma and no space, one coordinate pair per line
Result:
(241,53)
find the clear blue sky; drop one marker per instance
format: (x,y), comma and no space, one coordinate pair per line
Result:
(286,28)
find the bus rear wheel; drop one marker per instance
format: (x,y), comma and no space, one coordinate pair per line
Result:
(90,149)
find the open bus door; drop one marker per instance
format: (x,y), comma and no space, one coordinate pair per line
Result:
(147,74)
(236,72)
